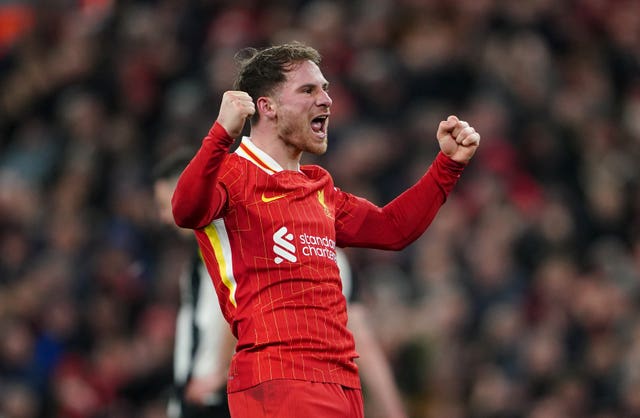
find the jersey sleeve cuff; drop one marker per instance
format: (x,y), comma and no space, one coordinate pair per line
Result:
(449,165)
(218,134)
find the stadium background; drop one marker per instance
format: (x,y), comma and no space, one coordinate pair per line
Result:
(522,300)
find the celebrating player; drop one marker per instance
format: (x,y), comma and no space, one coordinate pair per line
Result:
(268,228)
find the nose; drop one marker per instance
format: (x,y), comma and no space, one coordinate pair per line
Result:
(324,99)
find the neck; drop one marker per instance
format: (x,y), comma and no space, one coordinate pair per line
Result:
(285,154)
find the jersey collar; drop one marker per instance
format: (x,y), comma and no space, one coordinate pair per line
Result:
(251,152)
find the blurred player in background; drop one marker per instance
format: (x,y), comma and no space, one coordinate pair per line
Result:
(375,370)
(203,342)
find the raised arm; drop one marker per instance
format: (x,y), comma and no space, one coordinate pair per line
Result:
(399,223)
(198,197)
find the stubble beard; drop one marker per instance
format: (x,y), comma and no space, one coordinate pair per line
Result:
(297,136)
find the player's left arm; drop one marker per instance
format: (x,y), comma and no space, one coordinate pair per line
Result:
(360,223)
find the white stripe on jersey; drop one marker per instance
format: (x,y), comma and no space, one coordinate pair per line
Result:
(217,234)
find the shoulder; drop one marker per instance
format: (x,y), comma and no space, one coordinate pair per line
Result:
(233,166)
(233,175)
(315,172)
(318,177)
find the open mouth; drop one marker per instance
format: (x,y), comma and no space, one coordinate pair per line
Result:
(319,124)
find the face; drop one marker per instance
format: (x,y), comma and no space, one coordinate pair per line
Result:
(302,105)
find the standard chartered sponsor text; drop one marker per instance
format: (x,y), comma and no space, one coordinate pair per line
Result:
(318,246)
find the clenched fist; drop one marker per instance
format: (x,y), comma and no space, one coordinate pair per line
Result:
(235,108)
(457,139)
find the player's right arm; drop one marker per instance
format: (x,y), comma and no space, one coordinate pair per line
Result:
(198,197)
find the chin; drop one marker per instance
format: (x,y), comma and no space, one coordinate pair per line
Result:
(318,148)
(321,151)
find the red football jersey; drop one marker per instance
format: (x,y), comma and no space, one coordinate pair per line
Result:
(268,237)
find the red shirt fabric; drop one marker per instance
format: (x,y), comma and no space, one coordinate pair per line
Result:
(268,238)
(295,399)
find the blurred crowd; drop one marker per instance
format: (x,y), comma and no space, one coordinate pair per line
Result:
(521,300)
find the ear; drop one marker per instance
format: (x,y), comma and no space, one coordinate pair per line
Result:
(266,107)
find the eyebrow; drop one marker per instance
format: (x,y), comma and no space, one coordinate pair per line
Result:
(325,86)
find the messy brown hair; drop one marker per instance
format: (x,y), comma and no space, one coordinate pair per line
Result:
(261,71)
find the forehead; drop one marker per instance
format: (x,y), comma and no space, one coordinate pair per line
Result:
(304,73)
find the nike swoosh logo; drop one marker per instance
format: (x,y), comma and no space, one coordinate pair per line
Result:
(266,199)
